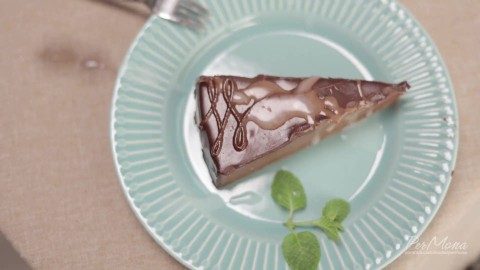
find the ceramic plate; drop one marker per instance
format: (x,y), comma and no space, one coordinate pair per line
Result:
(394,168)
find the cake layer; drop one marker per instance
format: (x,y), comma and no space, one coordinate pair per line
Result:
(248,123)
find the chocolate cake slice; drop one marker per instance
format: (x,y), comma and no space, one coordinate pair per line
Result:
(248,123)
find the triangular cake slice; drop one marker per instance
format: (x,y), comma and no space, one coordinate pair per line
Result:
(248,123)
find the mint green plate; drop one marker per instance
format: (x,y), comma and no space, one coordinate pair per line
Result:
(394,168)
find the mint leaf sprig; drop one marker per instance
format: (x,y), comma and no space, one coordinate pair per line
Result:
(334,212)
(302,250)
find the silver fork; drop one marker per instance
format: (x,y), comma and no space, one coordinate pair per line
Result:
(185,12)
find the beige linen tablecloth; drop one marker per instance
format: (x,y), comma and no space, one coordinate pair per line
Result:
(60,203)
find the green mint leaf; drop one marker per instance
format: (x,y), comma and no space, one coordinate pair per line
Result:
(301,250)
(336,210)
(288,192)
(330,228)
(340,227)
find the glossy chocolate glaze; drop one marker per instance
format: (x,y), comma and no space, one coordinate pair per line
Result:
(245,119)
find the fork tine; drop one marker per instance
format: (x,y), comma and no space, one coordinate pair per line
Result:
(188,15)
(179,19)
(185,12)
(190,22)
(193,22)
(199,8)
(191,9)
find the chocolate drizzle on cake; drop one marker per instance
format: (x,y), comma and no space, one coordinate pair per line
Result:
(226,88)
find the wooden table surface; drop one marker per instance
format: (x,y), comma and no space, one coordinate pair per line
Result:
(60,202)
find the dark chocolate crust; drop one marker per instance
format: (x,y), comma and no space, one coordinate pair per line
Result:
(244,122)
